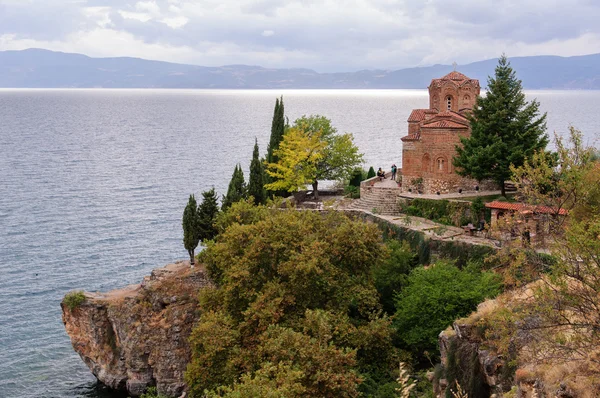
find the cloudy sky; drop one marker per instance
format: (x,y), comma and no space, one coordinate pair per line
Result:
(319,34)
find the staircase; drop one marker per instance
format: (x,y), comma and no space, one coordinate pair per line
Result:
(379,200)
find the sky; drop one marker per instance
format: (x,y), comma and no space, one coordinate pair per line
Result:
(324,35)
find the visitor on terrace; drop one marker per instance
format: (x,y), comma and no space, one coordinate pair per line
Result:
(380,174)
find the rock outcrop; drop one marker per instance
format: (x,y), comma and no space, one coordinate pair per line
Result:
(137,337)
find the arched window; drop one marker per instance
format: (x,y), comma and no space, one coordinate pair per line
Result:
(441,165)
(449,102)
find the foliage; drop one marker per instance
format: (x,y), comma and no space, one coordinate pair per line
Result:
(311,151)
(356,177)
(442,211)
(190,227)
(236,190)
(278,127)
(352,192)
(277,130)
(371,173)
(74,299)
(505,130)
(208,211)
(391,275)
(434,298)
(294,310)
(256,180)
(299,154)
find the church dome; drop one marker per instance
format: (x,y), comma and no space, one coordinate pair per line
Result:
(455,77)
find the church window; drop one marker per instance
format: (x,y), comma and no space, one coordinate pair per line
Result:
(441,165)
(449,102)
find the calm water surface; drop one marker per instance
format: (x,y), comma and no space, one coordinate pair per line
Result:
(93,184)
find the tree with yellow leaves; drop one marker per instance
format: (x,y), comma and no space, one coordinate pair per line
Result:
(312,151)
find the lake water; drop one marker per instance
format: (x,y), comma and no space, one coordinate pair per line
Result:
(93,184)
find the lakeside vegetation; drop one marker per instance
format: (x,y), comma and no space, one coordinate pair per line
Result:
(319,304)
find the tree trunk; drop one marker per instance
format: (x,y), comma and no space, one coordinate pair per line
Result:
(191,253)
(503,189)
(315,186)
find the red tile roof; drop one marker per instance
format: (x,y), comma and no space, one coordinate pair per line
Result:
(451,114)
(411,137)
(524,207)
(449,124)
(417,115)
(456,77)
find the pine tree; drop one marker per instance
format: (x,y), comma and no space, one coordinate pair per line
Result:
(236,190)
(277,132)
(190,228)
(207,213)
(505,130)
(256,181)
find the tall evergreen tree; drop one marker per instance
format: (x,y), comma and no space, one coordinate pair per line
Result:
(505,130)
(207,213)
(277,132)
(256,181)
(190,224)
(236,190)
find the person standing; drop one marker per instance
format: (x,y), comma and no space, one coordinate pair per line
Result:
(394,169)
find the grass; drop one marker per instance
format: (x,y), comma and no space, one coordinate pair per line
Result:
(74,299)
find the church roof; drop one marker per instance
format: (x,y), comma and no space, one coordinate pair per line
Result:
(417,115)
(411,137)
(444,124)
(455,77)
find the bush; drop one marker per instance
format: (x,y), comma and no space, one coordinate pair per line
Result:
(391,276)
(371,173)
(442,211)
(434,298)
(357,176)
(74,299)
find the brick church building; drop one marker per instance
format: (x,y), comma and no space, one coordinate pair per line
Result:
(433,133)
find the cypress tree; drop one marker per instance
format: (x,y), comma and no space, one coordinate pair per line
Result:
(256,181)
(190,224)
(277,132)
(371,173)
(236,190)
(505,130)
(207,213)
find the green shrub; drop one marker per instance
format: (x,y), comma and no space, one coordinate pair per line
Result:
(391,276)
(352,192)
(442,211)
(371,173)
(434,297)
(357,176)
(152,392)
(74,299)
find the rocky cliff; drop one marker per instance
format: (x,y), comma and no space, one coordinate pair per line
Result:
(137,337)
(470,356)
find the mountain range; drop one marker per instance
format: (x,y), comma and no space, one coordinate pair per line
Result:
(36,68)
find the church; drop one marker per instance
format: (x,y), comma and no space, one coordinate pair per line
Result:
(433,134)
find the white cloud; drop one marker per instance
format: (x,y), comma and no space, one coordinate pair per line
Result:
(326,35)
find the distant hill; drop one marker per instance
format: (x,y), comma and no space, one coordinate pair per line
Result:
(35,68)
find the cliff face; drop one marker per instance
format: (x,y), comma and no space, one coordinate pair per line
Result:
(470,357)
(137,337)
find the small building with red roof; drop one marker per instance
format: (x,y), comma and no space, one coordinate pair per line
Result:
(433,133)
